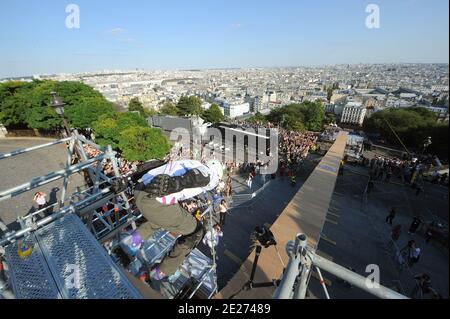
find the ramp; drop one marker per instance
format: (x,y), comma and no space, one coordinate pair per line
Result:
(305,213)
(67,262)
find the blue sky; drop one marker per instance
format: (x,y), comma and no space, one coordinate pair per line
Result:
(172,34)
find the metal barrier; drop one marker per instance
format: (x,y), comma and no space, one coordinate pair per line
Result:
(84,203)
(296,277)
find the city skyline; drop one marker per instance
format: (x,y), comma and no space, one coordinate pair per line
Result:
(217,35)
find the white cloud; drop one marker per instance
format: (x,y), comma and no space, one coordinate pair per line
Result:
(116,31)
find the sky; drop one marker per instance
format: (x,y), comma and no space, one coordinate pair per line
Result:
(191,34)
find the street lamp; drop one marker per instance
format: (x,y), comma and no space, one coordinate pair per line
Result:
(58,105)
(426,144)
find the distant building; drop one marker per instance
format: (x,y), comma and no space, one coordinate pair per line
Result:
(329,107)
(233,110)
(353,113)
(441,113)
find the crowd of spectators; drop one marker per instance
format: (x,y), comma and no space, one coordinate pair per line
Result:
(125,167)
(410,171)
(294,147)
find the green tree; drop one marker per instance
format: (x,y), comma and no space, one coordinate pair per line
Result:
(298,117)
(87,110)
(213,114)
(168,109)
(109,126)
(258,118)
(189,106)
(329,93)
(412,126)
(44,118)
(150,112)
(17,98)
(136,106)
(330,118)
(72,92)
(143,143)
(314,114)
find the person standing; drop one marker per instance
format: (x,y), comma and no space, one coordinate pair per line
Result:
(293,181)
(250,180)
(414,255)
(417,221)
(391,216)
(40,199)
(423,285)
(212,236)
(223,209)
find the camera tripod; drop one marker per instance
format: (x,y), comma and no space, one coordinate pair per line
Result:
(262,237)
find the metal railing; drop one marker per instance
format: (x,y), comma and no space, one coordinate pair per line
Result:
(83,202)
(295,279)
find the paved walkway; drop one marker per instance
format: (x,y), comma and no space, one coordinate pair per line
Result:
(357,235)
(262,209)
(22,168)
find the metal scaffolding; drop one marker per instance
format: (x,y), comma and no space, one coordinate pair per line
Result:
(302,259)
(88,204)
(85,202)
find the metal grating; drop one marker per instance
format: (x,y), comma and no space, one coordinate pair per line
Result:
(30,277)
(68,245)
(158,246)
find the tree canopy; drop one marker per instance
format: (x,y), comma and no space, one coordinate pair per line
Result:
(87,110)
(27,104)
(412,125)
(189,106)
(136,106)
(168,109)
(109,126)
(258,118)
(299,117)
(213,114)
(44,118)
(130,134)
(143,143)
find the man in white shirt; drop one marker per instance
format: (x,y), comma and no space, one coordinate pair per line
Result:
(211,237)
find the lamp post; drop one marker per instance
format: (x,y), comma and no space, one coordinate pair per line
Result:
(58,105)
(426,144)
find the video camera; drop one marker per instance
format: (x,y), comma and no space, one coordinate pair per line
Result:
(264,236)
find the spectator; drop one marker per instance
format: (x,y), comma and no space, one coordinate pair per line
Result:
(40,199)
(293,181)
(417,221)
(423,286)
(414,255)
(250,180)
(391,216)
(223,209)
(212,236)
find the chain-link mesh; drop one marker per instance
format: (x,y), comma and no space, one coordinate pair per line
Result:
(30,277)
(79,264)
(66,257)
